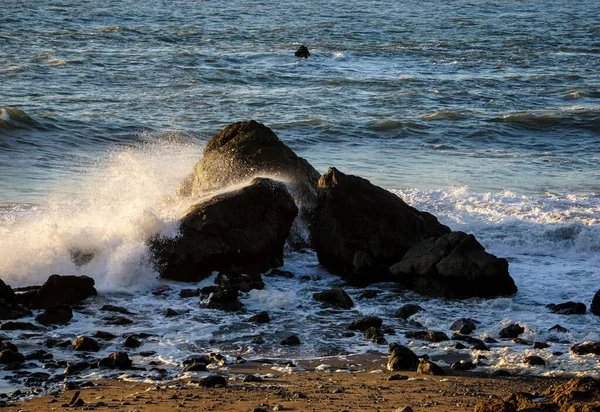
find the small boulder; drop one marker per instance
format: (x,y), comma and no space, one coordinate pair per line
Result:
(116,360)
(224,299)
(586,348)
(568,308)
(291,340)
(534,361)
(100,334)
(213,381)
(365,323)
(8,357)
(335,297)
(131,342)
(463,365)
(540,345)
(406,311)
(429,368)
(262,317)
(85,344)
(55,315)
(402,359)
(375,335)
(464,326)
(59,290)
(430,336)
(243,283)
(18,326)
(170,313)
(595,306)
(512,331)
(558,328)
(302,52)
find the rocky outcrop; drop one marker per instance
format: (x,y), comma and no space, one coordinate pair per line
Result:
(579,394)
(242,231)
(512,331)
(6,292)
(360,230)
(595,306)
(58,290)
(453,265)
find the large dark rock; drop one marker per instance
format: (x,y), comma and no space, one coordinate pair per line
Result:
(85,344)
(512,331)
(58,290)
(360,230)
(430,336)
(453,265)
(242,231)
(243,283)
(335,297)
(6,292)
(365,323)
(12,310)
(595,306)
(8,356)
(406,311)
(402,359)
(224,299)
(464,326)
(568,308)
(586,348)
(55,315)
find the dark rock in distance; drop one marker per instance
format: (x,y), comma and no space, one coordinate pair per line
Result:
(365,323)
(241,231)
(59,290)
(85,344)
(335,297)
(262,317)
(568,308)
(512,331)
(291,340)
(402,359)
(55,315)
(406,311)
(426,367)
(302,52)
(453,265)
(18,326)
(360,230)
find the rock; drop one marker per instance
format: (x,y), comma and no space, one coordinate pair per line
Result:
(375,335)
(117,309)
(521,341)
(365,323)
(86,344)
(495,405)
(262,317)
(464,326)
(241,231)
(131,342)
(463,365)
(360,230)
(252,378)
(586,348)
(534,361)
(291,340)
(103,335)
(397,377)
(558,328)
(75,368)
(280,273)
(195,367)
(595,306)
(368,294)
(213,381)
(432,336)
(6,292)
(224,299)
(453,265)
(8,357)
(512,331)
(59,290)
(243,283)
(302,52)
(578,390)
(568,308)
(244,150)
(478,344)
(429,368)
(13,310)
(335,297)
(402,359)
(18,326)
(408,310)
(405,409)
(189,293)
(170,313)
(55,315)
(540,345)
(116,360)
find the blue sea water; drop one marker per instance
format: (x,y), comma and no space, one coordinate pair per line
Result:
(485,113)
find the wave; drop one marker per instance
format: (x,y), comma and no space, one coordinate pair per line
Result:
(13,118)
(444,115)
(587,117)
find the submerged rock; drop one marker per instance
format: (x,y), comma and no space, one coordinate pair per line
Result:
(242,231)
(335,297)
(365,323)
(302,52)
(291,340)
(360,229)
(262,317)
(430,336)
(464,326)
(568,308)
(224,299)
(512,331)
(453,265)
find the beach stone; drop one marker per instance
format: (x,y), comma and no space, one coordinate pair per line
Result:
(131,342)
(586,348)
(224,299)
(430,336)
(453,265)
(577,395)
(534,361)
(241,231)
(464,326)
(59,290)
(116,360)
(8,357)
(85,344)
(595,305)
(397,377)
(18,326)
(335,297)
(429,368)
(189,293)
(568,308)
(302,52)
(406,311)
(402,359)
(262,317)
(512,331)
(291,340)
(252,378)
(243,283)
(213,381)
(116,309)
(360,230)
(55,315)
(365,323)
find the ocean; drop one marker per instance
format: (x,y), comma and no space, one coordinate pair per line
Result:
(484,113)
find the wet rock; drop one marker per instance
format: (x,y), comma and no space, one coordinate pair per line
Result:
(116,360)
(262,317)
(189,293)
(490,340)
(335,297)
(55,315)
(408,310)
(99,334)
(8,357)
(397,377)
(520,341)
(360,229)
(213,381)
(453,265)
(51,343)
(291,340)
(6,292)
(595,305)
(116,309)
(252,378)
(568,308)
(368,294)
(375,335)
(426,367)
(534,361)
(365,323)
(586,348)
(85,344)
(39,355)
(463,365)
(170,313)
(195,367)
(18,326)
(59,290)
(459,346)
(131,342)
(13,310)
(430,336)
(302,52)
(478,344)
(402,359)
(512,331)
(76,368)
(558,328)
(224,299)
(117,320)
(258,340)
(540,345)
(576,393)
(241,231)
(280,273)
(495,405)
(464,326)
(243,283)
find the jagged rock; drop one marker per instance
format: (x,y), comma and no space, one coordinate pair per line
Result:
(58,290)
(595,306)
(402,359)
(568,308)
(262,317)
(426,367)
(335,297)
(365,323)
(8,357)
(291,340)
(131,342)
(6,292)
(360,230)
(116,360)
(586,348)
(243,283)
(55,315)
(430,336)
(408,310)
(464,326)
(241,231)
(534,361)
(224,299)
(302,52)
(453,265)
(85,344)
(18,326)
(512,331)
